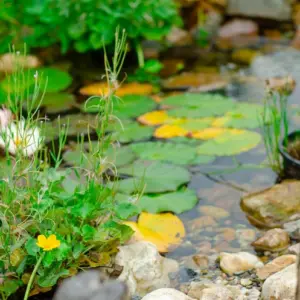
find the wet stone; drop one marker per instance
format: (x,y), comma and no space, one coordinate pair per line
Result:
(215,212)
(293,229)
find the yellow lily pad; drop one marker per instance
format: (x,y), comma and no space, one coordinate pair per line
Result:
(208,133)
(153,118)
(169,131)
(165,230)
(100,89)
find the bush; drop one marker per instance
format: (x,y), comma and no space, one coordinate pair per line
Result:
(84,24)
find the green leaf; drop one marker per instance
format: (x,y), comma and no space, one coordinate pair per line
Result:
(132,106)
(57,102)
(88,232)
(51,276)
(155,177)
(230,143)
(120,156)
(124,232)
(153,66)
(54,80)
(48,259)
(77,250)
(177,202)
(31,247)
(175,153)
(203,159)
(10,286)
(134,132)
(124,211)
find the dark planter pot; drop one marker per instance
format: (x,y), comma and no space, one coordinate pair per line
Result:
(291,166)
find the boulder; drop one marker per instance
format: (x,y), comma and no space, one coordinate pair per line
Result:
(167,294)
(144,269)
(274,206)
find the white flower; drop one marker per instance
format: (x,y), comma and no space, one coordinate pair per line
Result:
(5,117)
(16,137)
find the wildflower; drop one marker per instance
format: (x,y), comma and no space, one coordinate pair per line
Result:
(17,137)
(48,244)
(5,117)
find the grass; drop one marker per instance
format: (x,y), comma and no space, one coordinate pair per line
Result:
(39,197)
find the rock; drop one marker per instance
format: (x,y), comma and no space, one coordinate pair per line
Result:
(179,37)
(275,266)
(274,206)
(202,222)
(244,56)
(144,269)
(273,240)
(246,282)
(215,212)
(210,291)
(166,294)
(293,229)
(237,33)
(295,249)
(204,247)
(252,294)
(246,235)
(281,285)
(91,285)
(271,9)
(238,263)
(201,261)
(227,234)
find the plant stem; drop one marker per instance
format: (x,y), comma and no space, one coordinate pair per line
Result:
(140,54)
(32,276)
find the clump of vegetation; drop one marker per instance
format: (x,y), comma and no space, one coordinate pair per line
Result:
(85,24)
(55,221)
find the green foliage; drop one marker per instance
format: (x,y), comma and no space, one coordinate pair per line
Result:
(85,24)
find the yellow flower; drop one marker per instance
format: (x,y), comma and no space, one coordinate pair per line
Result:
(47,244)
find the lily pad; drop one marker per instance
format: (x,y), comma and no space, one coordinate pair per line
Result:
(245,115)
(154,177)
(177,202)
(175,153)
(58,102)
(134,132)
(166,231)
(231,143)
(203,160)
(196,124)
(170,131)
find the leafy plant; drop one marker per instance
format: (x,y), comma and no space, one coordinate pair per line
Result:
(86,24)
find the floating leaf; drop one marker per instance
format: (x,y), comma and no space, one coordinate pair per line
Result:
(57,102)
(231,143)
(134,132)
(175,153)
(245,115)
(100,89)
(169,131)
(196,124)
(208,133)
(120,156)
(153,118)
(203,159)
(177,202)
(166,231)
(156,177)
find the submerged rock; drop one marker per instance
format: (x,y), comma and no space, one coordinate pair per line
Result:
(238,263)
(167,294)
(275,266)
(215,212)
(273,240)
(144,269)
(281,285)
(274,206)
(293,228)
(210,291)
(272,9)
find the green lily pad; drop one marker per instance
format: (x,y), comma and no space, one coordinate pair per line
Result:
(203,160)
(196,124)
(132,106)
(177,202)
(152,177)
(58,102)
(245,115)
(120,156)
(230,143)
(175,153)
(134,132)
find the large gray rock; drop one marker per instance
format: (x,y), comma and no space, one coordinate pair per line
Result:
(91,285)
(167,294)
(144,269)
(281,285)
(272,9)
(274,206)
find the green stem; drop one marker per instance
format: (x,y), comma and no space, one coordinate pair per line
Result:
(140,54)
(32,276)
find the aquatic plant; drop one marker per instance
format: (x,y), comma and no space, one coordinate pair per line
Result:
(55,221)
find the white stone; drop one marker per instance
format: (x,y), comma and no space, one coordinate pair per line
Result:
(273,9)
(237,263)
(144,269)
(167,294)
(281,285)
(210,291)
(295,249)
